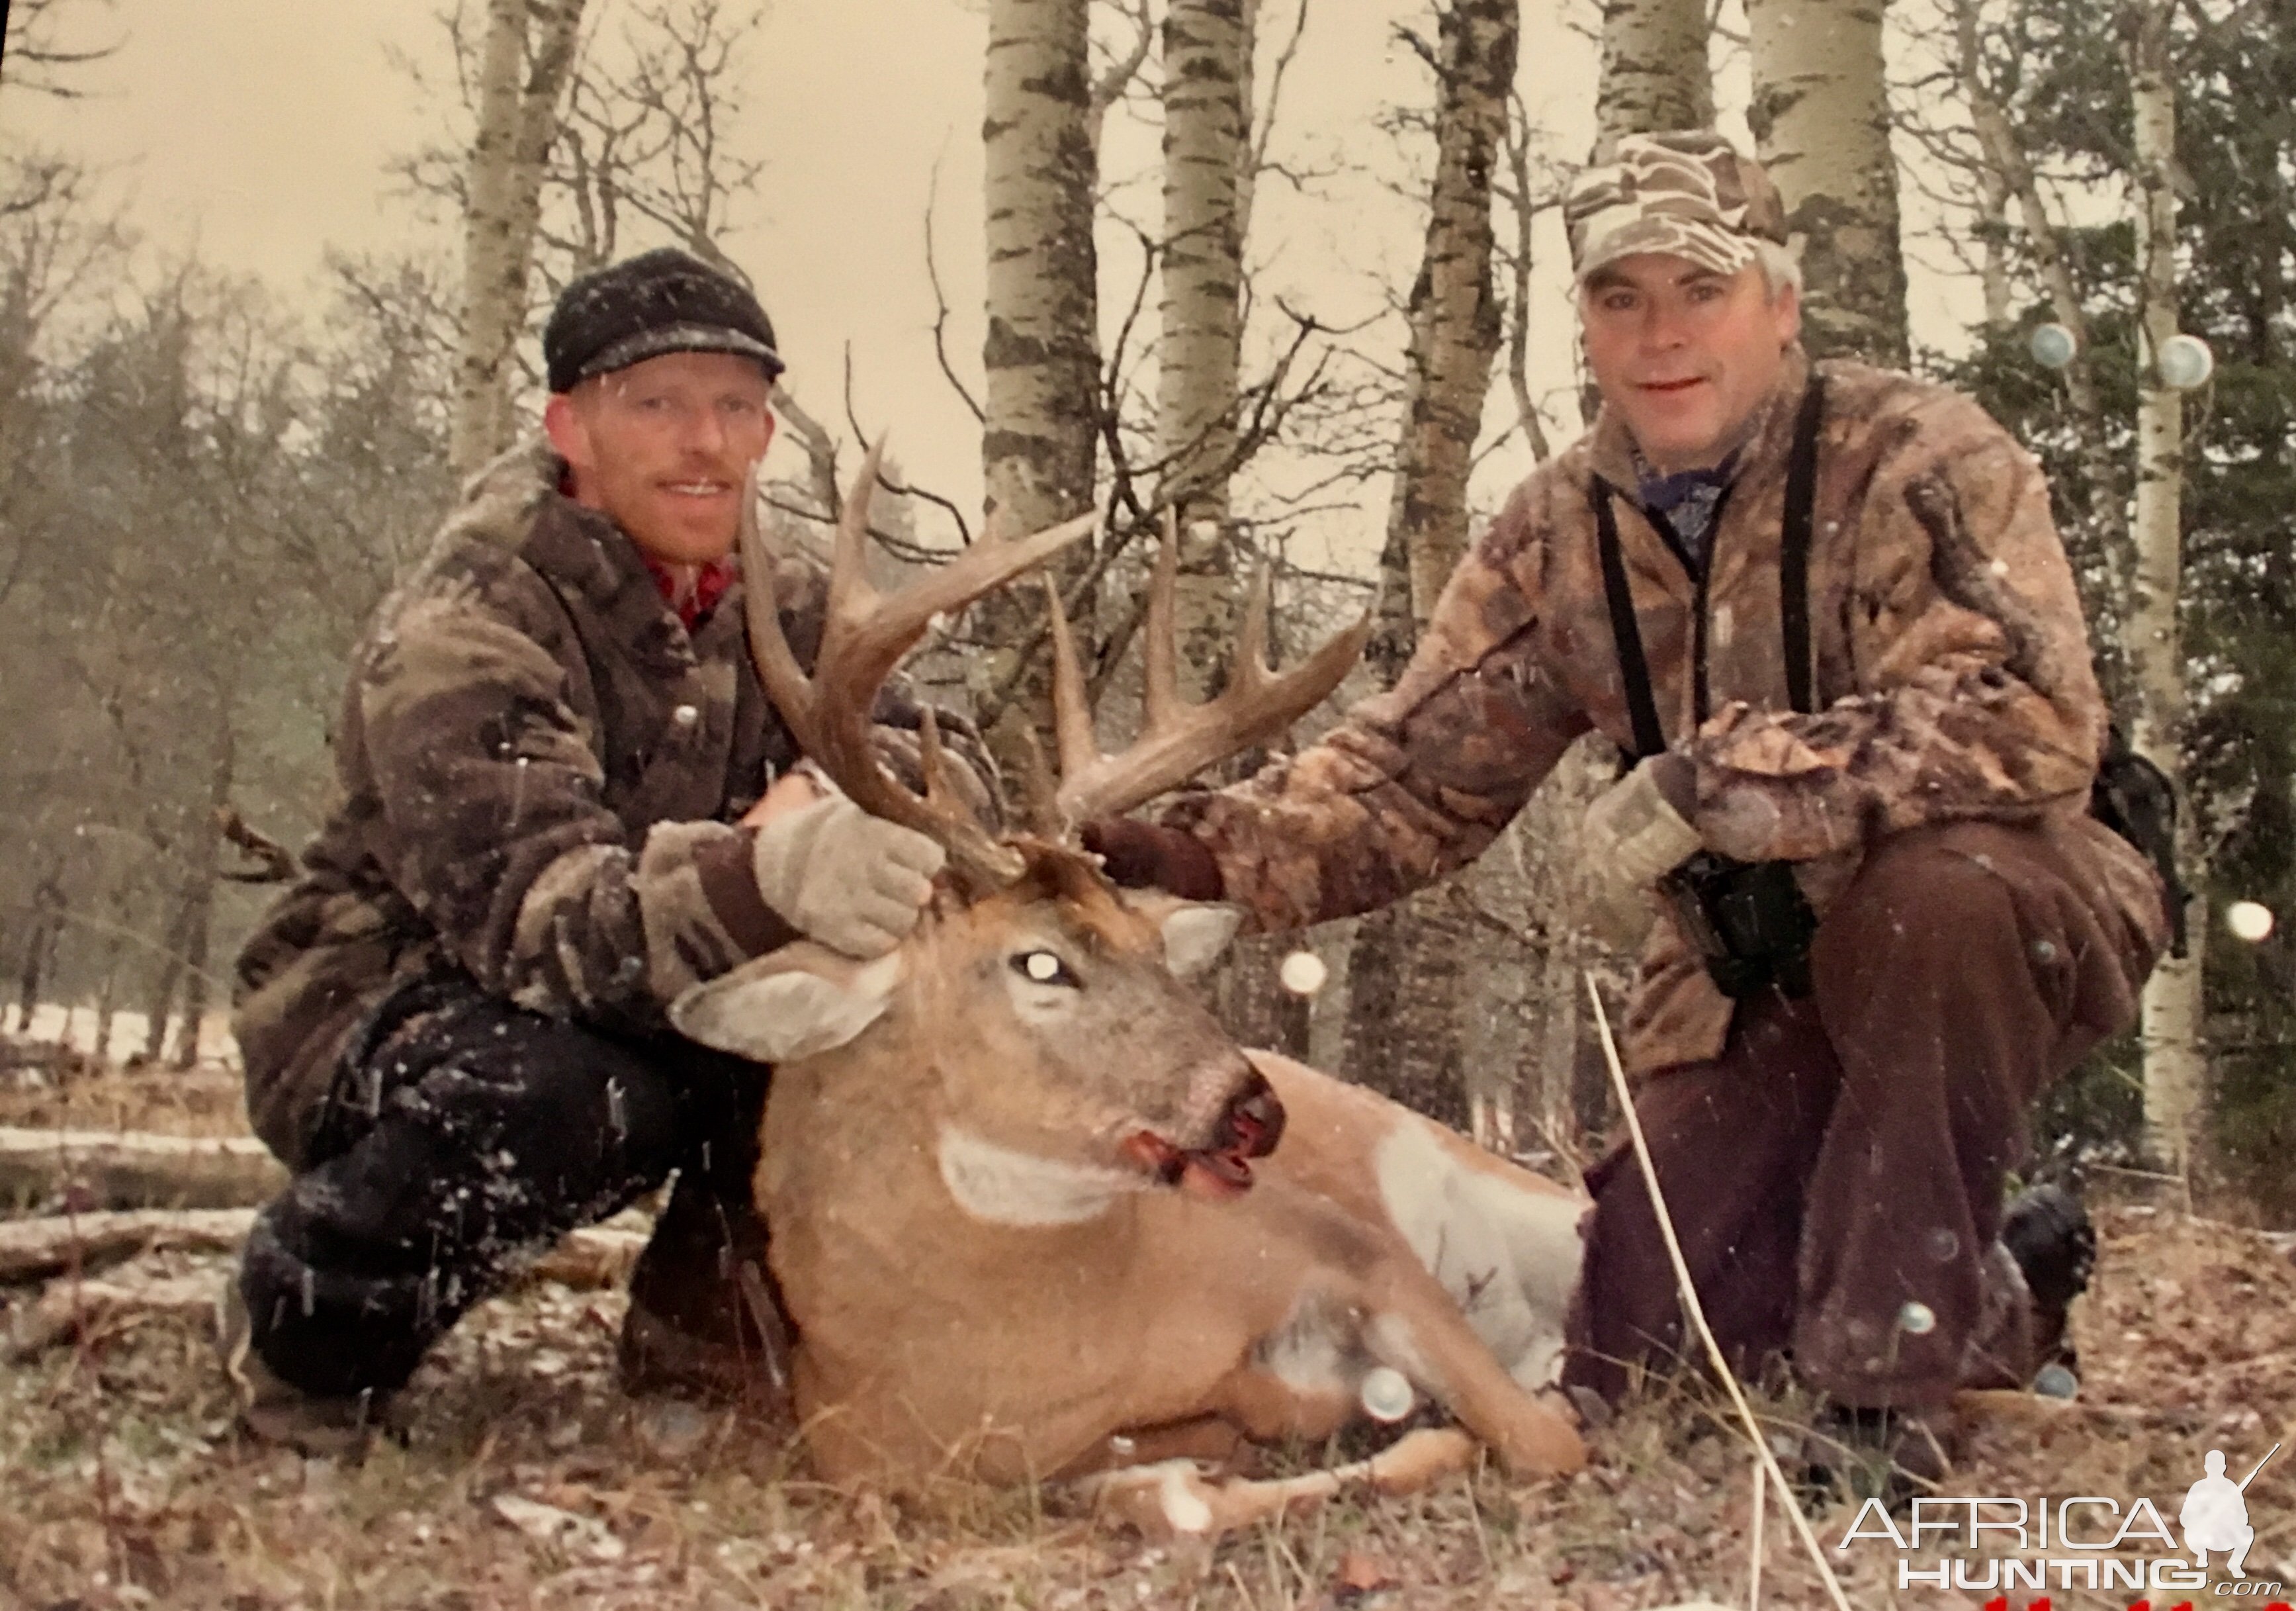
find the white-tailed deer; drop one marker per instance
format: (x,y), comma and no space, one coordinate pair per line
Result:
(1029,1211)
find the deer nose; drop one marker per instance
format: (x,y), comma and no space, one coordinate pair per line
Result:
(1252,1123)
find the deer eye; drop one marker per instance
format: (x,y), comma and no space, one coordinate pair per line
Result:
(1044,967)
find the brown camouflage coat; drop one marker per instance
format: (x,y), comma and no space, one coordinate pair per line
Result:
(1952,680)
(537,769)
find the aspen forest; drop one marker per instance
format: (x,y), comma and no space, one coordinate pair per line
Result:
(1286,278)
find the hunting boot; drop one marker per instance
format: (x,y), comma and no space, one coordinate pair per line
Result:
(272,1409)
(2047,1232)
(705,1318)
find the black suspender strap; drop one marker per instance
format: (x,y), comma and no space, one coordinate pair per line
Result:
(1793,586)
(1626,631)
(1794,557)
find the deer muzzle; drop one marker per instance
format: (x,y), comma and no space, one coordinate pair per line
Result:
(1249,1126)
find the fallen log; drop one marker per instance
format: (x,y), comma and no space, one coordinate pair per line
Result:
(118,1169)
(33,1250)
(91,1301)
(84,1309)
(594,1257)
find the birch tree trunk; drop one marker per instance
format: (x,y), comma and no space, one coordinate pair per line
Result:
(1406,979)
(519,84)
(1042,353)
(2175,1068)
(1655,75)
(1821,121)
(1455,324)
(1206,149)
(1207,156)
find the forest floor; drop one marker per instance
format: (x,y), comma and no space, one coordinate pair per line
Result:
(528,1480)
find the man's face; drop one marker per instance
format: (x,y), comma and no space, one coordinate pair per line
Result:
(663,445)
(1684,354)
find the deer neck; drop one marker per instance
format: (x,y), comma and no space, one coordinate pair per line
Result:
(888,1100)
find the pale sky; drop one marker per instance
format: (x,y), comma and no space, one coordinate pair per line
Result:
(260,129)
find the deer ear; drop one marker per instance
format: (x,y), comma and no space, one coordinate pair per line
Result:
(1195,934)
(796,1002)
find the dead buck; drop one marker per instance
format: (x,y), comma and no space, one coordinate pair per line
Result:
(1027,1209)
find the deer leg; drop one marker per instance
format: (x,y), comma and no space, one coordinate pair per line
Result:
(1175,1500)
(1417,1328)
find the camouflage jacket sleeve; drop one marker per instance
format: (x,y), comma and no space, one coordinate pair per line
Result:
(495,827)
(1416,782)
(1976,695)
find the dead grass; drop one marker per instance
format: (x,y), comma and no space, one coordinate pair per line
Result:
(126,1487)
(75,1093)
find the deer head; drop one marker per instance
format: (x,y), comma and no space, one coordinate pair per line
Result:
(1049,1005)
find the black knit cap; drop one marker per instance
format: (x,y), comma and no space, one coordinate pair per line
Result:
(664,300)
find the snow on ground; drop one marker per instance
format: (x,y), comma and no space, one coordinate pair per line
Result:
(75,1026)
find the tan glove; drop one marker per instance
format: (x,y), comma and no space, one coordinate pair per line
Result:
(1631,837)
(854,881)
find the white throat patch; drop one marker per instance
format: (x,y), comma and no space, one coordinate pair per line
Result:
(1008,1187)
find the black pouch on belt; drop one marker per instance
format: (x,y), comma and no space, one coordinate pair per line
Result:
(1748,920)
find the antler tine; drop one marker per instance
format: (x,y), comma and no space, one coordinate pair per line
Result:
(1160,700)
(1039,787)
(1071,710)
(864,638)
(784,680)
(849,589)
(1257,704)
(1251,665)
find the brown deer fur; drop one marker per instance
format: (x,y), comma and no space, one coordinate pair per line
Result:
(1009,1168)
(991,1277)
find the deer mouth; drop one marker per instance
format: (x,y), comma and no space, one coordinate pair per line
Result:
(1248,1127)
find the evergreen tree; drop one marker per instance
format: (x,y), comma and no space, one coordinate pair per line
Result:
(2068,88)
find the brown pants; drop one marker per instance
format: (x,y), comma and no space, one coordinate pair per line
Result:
(1835,1176)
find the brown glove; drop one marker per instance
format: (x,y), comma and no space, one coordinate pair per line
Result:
(1142,855)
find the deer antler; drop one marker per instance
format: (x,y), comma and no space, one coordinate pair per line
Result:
(1178,739)
(863,638)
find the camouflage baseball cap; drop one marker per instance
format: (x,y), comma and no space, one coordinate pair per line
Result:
(1687,193)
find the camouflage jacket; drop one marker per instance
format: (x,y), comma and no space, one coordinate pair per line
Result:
(1952,680)
(537,771)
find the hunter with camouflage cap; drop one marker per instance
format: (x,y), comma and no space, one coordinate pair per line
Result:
(548,824)
(1823,612)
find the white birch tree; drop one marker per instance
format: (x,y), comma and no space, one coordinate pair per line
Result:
(1821,122)
(1406,974)
(2175,1066)
(1207,100)
(528,54)
(1655,70)
(1041,405)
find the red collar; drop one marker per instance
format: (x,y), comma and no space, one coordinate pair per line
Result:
(709,585)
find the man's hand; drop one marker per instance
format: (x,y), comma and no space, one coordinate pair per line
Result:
(1142,855)
(791,792)
(854,881)
(1634,837)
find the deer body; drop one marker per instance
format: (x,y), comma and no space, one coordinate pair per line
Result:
(989,1278)
(1028,1205)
